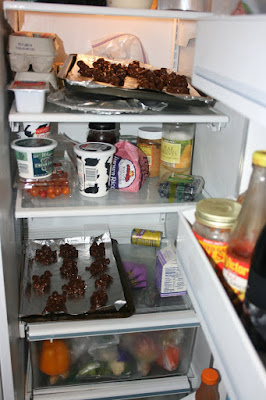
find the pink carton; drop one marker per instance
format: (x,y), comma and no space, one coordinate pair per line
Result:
(169,280)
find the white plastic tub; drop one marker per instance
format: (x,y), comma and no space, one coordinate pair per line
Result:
(30,96)
(94,160)
(34,157)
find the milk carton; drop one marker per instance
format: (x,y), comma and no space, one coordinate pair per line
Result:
(169,280)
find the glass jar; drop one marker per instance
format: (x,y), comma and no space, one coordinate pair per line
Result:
(214,221)
(177,148)
(103,132)
(149,141)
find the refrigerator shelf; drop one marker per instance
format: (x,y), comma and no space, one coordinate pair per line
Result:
(202,115)
(95,10)
(237,360)
(147,200)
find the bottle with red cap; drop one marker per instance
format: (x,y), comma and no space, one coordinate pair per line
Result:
(208,389)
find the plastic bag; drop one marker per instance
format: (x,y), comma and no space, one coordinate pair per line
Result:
(120,46)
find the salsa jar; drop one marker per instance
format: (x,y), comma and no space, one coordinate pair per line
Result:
(149,141)
(214,219)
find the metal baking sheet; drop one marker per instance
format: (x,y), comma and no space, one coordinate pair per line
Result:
(119,304)
(73,81)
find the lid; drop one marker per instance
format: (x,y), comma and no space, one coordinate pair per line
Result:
(259,158)
(94,149)
(29,86)
(102,126)
(150,132)
(209,376)
(217,213)
(34,144)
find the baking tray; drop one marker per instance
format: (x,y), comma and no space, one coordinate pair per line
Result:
(120,302)
(72,81)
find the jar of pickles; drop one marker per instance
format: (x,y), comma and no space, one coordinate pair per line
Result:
(214,220)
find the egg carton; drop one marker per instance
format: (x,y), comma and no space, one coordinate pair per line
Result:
(32,49)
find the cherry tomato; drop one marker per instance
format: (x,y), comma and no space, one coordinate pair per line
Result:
(65,190)
(50,189)
(34,191)
(43,193)
(57,190)
(51,195)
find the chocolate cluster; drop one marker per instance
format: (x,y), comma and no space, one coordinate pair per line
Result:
(103,282)
(115,74)
(69,268)
(98,266)
(98,299)
(55,303)
(45,255)
(75,288)
(68,251)
(40,283)
(97,250)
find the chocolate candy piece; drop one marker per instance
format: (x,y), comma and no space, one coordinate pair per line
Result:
(55,303)
(98,266)
(40,283)
(69,268)
(97,250)
(45,255)
(103,282)
(76,287)
(98,299)
(68,251)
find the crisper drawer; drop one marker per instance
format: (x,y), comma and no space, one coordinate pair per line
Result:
(117,364)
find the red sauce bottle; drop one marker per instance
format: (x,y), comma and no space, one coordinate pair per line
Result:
(249,224)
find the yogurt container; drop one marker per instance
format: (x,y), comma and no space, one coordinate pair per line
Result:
(94,161)
(30,95)
(35,130)
(34,157)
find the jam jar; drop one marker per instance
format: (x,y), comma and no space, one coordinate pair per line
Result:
(149,141)
(103,132)
(214,219)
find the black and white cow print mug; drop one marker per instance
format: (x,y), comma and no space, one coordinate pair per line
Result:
(94,160)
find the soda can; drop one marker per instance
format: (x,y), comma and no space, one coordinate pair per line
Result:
(146,238)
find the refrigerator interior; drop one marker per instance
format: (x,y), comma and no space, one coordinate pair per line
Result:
(225,132)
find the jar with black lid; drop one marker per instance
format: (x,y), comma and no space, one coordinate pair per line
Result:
(103,132)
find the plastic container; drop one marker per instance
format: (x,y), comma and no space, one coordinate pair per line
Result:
(149,141)
(30,96)
(102,132)
(58,185)
(177,148)
(185,5)
(214,220)
(179,188)
(31,76)
(146,4)
(208,389)
(94,161)
(32,49)
(34,157)
(35,130)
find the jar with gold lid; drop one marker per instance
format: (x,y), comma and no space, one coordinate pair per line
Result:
(214,219)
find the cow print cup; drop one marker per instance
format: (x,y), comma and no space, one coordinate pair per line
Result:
(94,161)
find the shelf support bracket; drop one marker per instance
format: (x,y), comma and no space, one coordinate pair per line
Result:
(216,126)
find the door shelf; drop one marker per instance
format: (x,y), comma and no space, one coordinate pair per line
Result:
(51,113)
(242,370)
(95,10)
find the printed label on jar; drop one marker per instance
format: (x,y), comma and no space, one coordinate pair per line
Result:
(216,250)
(148,150)
(236,274)
(176,154)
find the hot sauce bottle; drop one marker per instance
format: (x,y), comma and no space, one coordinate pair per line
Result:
(245,233)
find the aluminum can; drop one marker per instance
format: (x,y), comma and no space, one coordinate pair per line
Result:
(146,238)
